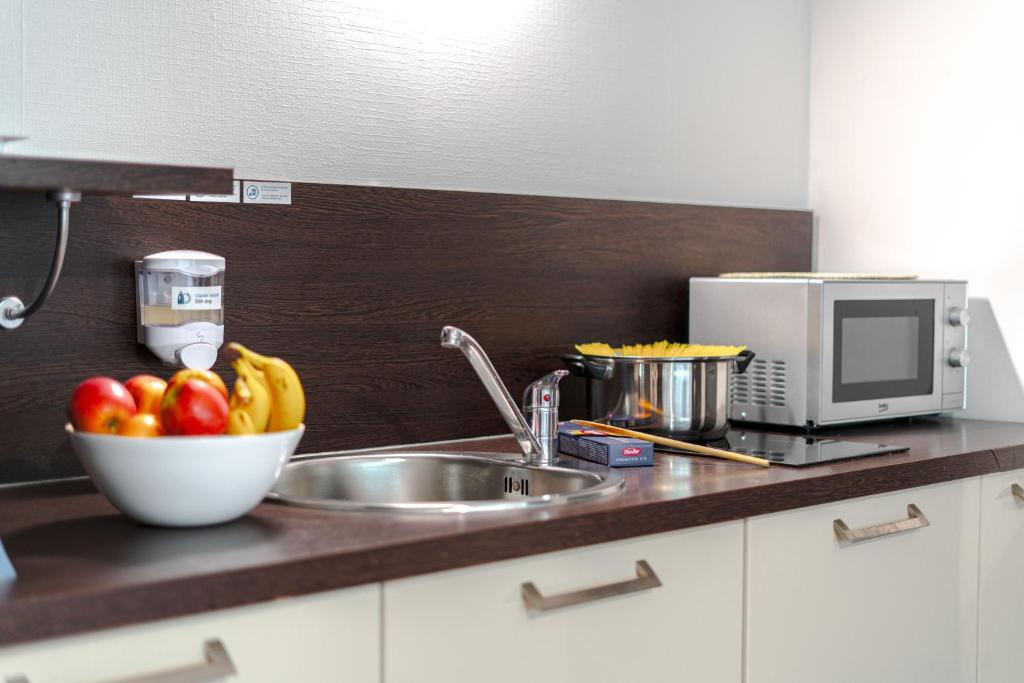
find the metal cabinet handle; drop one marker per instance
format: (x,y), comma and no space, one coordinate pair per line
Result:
(1017,492)
(645,580)
(915,520)
(218,665)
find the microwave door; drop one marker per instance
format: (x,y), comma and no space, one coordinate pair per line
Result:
(879,354)
(882,349)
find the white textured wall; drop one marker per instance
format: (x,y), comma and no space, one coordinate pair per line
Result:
(10,68)
(661,99)
(917,137)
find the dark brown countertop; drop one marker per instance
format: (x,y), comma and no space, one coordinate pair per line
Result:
(83,566)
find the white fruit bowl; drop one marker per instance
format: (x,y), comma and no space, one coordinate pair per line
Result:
(184,480)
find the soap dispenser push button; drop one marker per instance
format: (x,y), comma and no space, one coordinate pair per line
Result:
(201,356)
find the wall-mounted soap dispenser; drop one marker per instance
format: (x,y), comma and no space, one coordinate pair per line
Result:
(181,306)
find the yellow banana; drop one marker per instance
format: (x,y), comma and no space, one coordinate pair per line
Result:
(241,394)
(288,400)
(239,422)
(261,378)
(251,396)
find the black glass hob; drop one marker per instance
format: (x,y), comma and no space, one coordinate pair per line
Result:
(798,450)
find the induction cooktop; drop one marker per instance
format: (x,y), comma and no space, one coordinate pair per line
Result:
(798,450)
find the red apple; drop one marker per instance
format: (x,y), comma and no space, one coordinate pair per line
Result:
(147,391)
(208,376)
(141,425)
(100,405)
(193,407)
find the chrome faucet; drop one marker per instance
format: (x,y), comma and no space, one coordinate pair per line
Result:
(538,438)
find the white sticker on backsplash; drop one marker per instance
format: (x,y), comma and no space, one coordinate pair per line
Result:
(174,197)
(256,192)
(232,198)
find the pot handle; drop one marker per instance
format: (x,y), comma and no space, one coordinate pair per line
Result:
(581,366)
(743,359)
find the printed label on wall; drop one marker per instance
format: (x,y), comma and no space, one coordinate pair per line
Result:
(233,197)
(195,298)
(254,192)
(173,197)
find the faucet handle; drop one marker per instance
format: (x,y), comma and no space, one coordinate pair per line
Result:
(544,392)
(540,407)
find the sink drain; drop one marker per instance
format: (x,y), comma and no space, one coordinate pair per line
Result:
(517,486)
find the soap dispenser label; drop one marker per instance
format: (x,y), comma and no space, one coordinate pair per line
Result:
(195,298)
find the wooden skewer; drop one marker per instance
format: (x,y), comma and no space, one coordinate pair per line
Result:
(672,443)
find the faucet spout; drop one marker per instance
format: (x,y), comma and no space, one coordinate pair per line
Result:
(451,337)
(454,338)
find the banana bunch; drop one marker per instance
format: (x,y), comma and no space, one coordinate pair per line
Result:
(267,396)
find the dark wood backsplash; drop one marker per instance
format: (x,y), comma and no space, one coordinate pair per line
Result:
(353,284)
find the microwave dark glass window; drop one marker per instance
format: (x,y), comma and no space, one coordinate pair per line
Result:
(882,349)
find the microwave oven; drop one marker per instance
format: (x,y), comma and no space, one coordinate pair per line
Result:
(835,351)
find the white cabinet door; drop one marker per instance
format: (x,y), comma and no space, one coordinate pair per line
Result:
(1001,594)
(472,624)
(897,608)
(324,637)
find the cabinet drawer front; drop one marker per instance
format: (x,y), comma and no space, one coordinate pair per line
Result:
(325,637)
(1001,591)
(891,598)
(603,616)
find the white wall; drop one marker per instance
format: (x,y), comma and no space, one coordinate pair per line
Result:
(916,112)
(10,68)
(660,99)
(917,141)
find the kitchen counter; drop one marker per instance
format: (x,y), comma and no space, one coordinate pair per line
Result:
(83,566)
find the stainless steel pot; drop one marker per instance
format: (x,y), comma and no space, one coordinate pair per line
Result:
(684,398)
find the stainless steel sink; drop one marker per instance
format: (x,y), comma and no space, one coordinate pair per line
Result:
(438,482)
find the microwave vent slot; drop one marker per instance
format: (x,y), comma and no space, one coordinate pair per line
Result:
(763,384)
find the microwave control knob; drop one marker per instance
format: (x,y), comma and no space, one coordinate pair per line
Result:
(959,358)
(959,317)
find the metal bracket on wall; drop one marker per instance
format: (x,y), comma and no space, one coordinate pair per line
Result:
(12,311)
